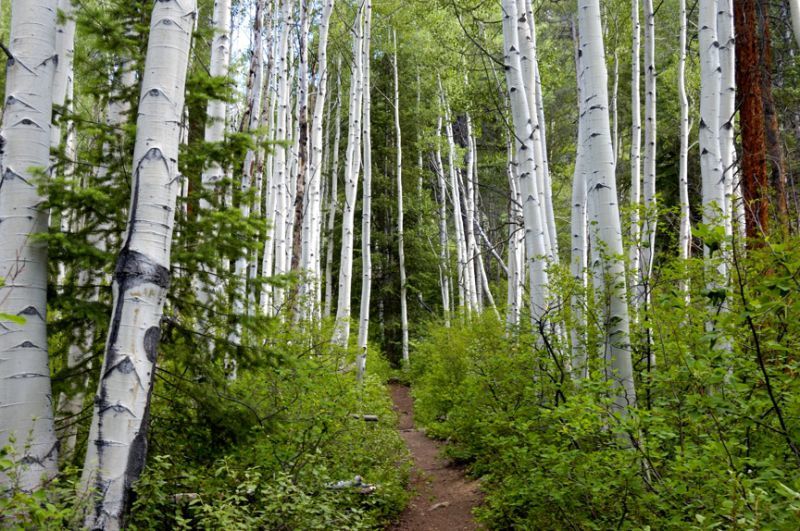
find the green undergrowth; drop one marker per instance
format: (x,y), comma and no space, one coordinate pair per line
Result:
(709,449)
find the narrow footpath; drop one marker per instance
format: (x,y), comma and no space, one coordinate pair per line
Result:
(443,495)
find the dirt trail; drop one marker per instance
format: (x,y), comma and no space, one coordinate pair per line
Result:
(444,496)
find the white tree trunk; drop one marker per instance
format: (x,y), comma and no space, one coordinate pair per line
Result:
(313,222)
(399,176)
(535,240)
(444,264)
(634,253)
(713,184)
(516,279)
(795,9)
(469,224)
(685,231)
(341,333)
(25,393)
(117,440)
(602,192)
(727,105)
(366,198)
(648,238)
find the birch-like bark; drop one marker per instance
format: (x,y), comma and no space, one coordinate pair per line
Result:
(469,223)
(710,158)
(535,246)
(444,265)
(312,223)
(366,198)
(300,241)
(516,275)
(333,203)
(648,238)
(341,334)
(25,394)
(685,231)
(579,236)
(727,105)
(794,6)
(216,114)
(399,176)
(602,191)
(634,252)
(117,445)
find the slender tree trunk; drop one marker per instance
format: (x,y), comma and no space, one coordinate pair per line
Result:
(341,333)
(333,204)
(751,112)
(602,191)
(648,238)
(313,222)
(685,231)
(516,278)
(25,394)
(727,106)
(299,247)
(634,253)
(117,445)
(399,176)
(444,263)
(366,200)
(535,242)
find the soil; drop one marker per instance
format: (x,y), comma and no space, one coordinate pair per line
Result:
(443,495)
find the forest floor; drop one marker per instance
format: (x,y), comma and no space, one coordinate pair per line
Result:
(443,495)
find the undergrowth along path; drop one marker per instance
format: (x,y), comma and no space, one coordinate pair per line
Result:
(443,496)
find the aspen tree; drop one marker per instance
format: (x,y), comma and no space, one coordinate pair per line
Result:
(606,231)
(118,437)
(444,263)
(26,416)
(399,177)
(727,106)
(648,238)
(366,197)
(535,243)
(685,231)
(634,253)
(300,202)
(341,333)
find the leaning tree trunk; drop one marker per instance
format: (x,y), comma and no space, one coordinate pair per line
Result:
(25,394)
(606,231)
(366,199)
(117,444)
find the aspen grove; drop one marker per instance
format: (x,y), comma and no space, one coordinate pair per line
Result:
(241,239)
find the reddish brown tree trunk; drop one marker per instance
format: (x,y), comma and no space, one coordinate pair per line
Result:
(751,115)
(775,154)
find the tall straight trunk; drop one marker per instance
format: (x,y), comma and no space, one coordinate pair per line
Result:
(528,62)
(341,334)
(399,176)
(634,252)
(648,238)
(727,105)
(469,217)
(299,209)
(535,243)
(366,199)
(26,414)
(516,278)
(444,265)
(579,236)
(714,200)
(601,188)
(117,445)
(685,231)
(250,122)
(795,11)
(751,112)
(274,252)
(333,203)
(312,223)
(775,154)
